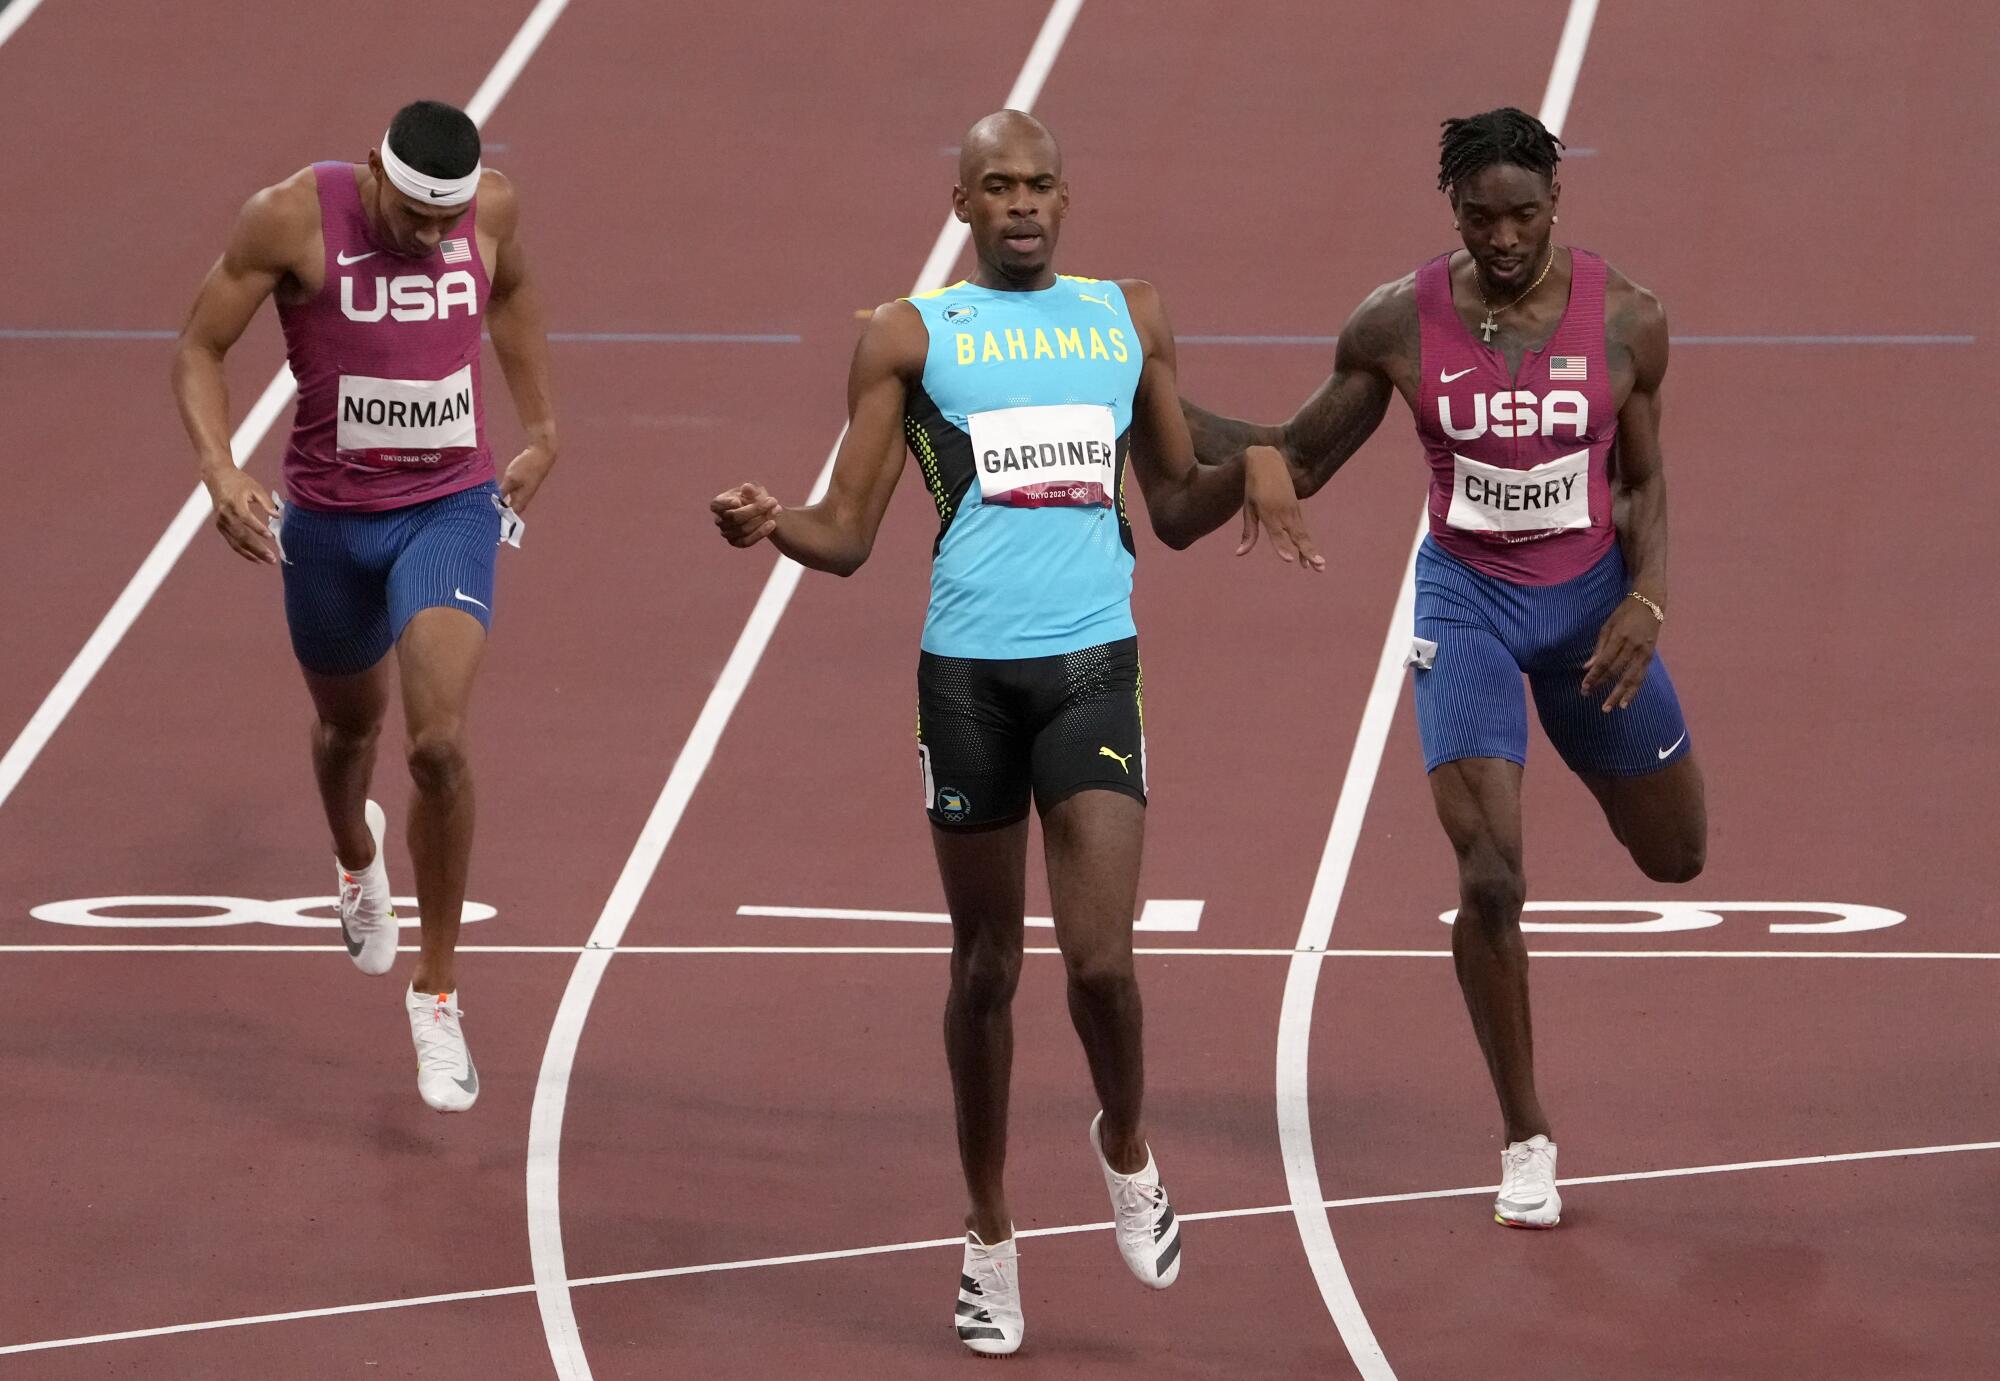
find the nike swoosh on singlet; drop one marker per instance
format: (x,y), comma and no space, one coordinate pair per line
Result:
(342,259)
(1445,378)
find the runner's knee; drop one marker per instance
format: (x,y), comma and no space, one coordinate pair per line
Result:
(984,977)
(1100,972)
(346,738)
(437,762)
(1491,890)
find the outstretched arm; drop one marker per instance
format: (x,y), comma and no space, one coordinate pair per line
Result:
(1341,414)
(1186,500)
(264,246)
(837,533)
(1638,331)
(520,340)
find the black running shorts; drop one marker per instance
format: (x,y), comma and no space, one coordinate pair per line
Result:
(990,734)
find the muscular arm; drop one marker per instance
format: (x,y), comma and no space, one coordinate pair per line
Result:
(520,340)
(1640,484)
(837,533)
(271,240)
(1342,413)
(1185,501)
(263,247)
(1635,338)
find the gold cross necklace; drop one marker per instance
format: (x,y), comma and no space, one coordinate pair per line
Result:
(1489,326)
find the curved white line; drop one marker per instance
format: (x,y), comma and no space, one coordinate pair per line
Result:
(1302,978)
(14,16)
(545,1245)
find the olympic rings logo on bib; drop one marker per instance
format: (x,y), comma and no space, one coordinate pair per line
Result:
(1062,455)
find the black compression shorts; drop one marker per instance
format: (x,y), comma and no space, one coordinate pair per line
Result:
(991,734)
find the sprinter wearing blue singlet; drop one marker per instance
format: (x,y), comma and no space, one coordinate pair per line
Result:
(1023,395)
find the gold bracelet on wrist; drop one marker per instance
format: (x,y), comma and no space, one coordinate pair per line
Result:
(1659,614)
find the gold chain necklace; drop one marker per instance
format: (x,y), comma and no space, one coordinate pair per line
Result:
(1489,326)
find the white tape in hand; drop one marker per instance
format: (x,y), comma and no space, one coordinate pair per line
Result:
(512,524)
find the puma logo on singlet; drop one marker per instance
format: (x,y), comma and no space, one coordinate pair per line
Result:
(1104,302)
(1124,760)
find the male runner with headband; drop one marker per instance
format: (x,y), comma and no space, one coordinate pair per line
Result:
(384,274)
(1534,373)
(1022,393)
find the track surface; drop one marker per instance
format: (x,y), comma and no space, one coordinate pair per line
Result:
(200,1136)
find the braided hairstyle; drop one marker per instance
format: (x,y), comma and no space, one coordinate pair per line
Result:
(1506,135)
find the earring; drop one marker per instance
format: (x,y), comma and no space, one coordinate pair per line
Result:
(1555,220)
(1454,225)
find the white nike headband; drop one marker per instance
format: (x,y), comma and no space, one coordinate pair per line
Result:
(432,191)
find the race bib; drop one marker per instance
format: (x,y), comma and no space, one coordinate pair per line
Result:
(1061,456)
(1552,497)
(406,421)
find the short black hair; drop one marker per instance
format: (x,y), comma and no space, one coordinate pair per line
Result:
(436,139)
(1506,135)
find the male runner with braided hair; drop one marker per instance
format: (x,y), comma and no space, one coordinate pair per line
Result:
(1533,370)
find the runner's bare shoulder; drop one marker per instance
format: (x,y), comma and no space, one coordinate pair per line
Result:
(499,206)
(278,229)
(895,340)
(1383,330)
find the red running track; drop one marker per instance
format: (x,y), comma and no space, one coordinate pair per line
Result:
(200,1136)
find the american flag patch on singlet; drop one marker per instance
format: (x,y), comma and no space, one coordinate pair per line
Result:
(1575,368)
(459,250)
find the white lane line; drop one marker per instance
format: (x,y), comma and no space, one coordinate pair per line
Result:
(545,1244)
(807,1258)
(1157,914)
(1188,951)
(194,513)
(1302,979)
(15,15)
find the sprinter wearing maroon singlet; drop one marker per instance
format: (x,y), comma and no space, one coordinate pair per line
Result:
(385,273)
(1533,371)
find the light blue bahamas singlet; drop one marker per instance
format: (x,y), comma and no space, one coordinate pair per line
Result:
(1021,426)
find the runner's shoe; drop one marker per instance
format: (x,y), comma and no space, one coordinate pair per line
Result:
(1528,1197)
(367,915)
(445,1076)
(1149,1235)
(989,1298)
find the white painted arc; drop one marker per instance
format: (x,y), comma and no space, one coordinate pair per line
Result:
(195,511)
(15,15)
(545,1244)
(1302,978)
(1661,916)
